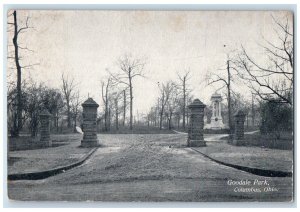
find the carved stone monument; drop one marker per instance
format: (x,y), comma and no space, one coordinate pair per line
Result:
(89,123)
(45,140)
(239,119)
(216,119)
(196,123)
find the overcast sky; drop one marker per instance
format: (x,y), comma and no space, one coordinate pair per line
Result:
(85,43)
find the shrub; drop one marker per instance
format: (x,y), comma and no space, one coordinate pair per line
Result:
(276,118)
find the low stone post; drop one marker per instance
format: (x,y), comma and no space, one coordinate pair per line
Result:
(89,126)
(239,119)
(45,140)
(196,124)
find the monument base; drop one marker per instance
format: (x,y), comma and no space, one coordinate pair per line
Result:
(216,128)
(196,143)
(89,143)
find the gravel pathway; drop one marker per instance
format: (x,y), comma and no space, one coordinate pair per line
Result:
(150,168)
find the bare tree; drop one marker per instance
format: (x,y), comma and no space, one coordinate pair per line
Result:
(37,97)
(116,96)
(166,90)
(54,103)
(184,87)
(125,95)
(272,80)
(34,106)
(105,90)
(57,107)
(130,69)
(151,116)
(189,101)
(253,111)
(172,105)
(75,104)
(17,30)
(67,88)
(12,104)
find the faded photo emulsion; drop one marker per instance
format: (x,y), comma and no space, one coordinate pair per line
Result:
(151,106)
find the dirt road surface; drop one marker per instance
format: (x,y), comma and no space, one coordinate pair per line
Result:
(151,168)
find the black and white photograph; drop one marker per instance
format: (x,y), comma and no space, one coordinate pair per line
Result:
(150,105)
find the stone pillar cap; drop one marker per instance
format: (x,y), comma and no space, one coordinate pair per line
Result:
(239,113)
(196,104)
(45,112)
(90,103)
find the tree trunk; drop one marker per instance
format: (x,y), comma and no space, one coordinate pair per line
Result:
(155,117)
(184,102)
(18,125)
(170,122)
(106,114)
(57,120)
(117,115)
(109,119)
(106,120)
(161,112)
(131,101)
(61,125)
(68,114)
(124,112)
(253,113)
(229,99)
(157,114)
(187,117)
(75,121)
(160,120)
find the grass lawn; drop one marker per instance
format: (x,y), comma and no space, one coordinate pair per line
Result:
(26,142)
(268,141)
(31,159)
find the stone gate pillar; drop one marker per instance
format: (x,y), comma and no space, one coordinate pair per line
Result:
(45,140)
(196,124)
(89,126)
(239,119)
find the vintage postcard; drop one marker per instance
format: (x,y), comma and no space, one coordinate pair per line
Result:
(151,106)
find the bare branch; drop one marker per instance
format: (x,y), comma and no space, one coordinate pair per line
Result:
(30,65)
(26,48)
(217,80)
(25,27)
(284,28)
(258,66)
